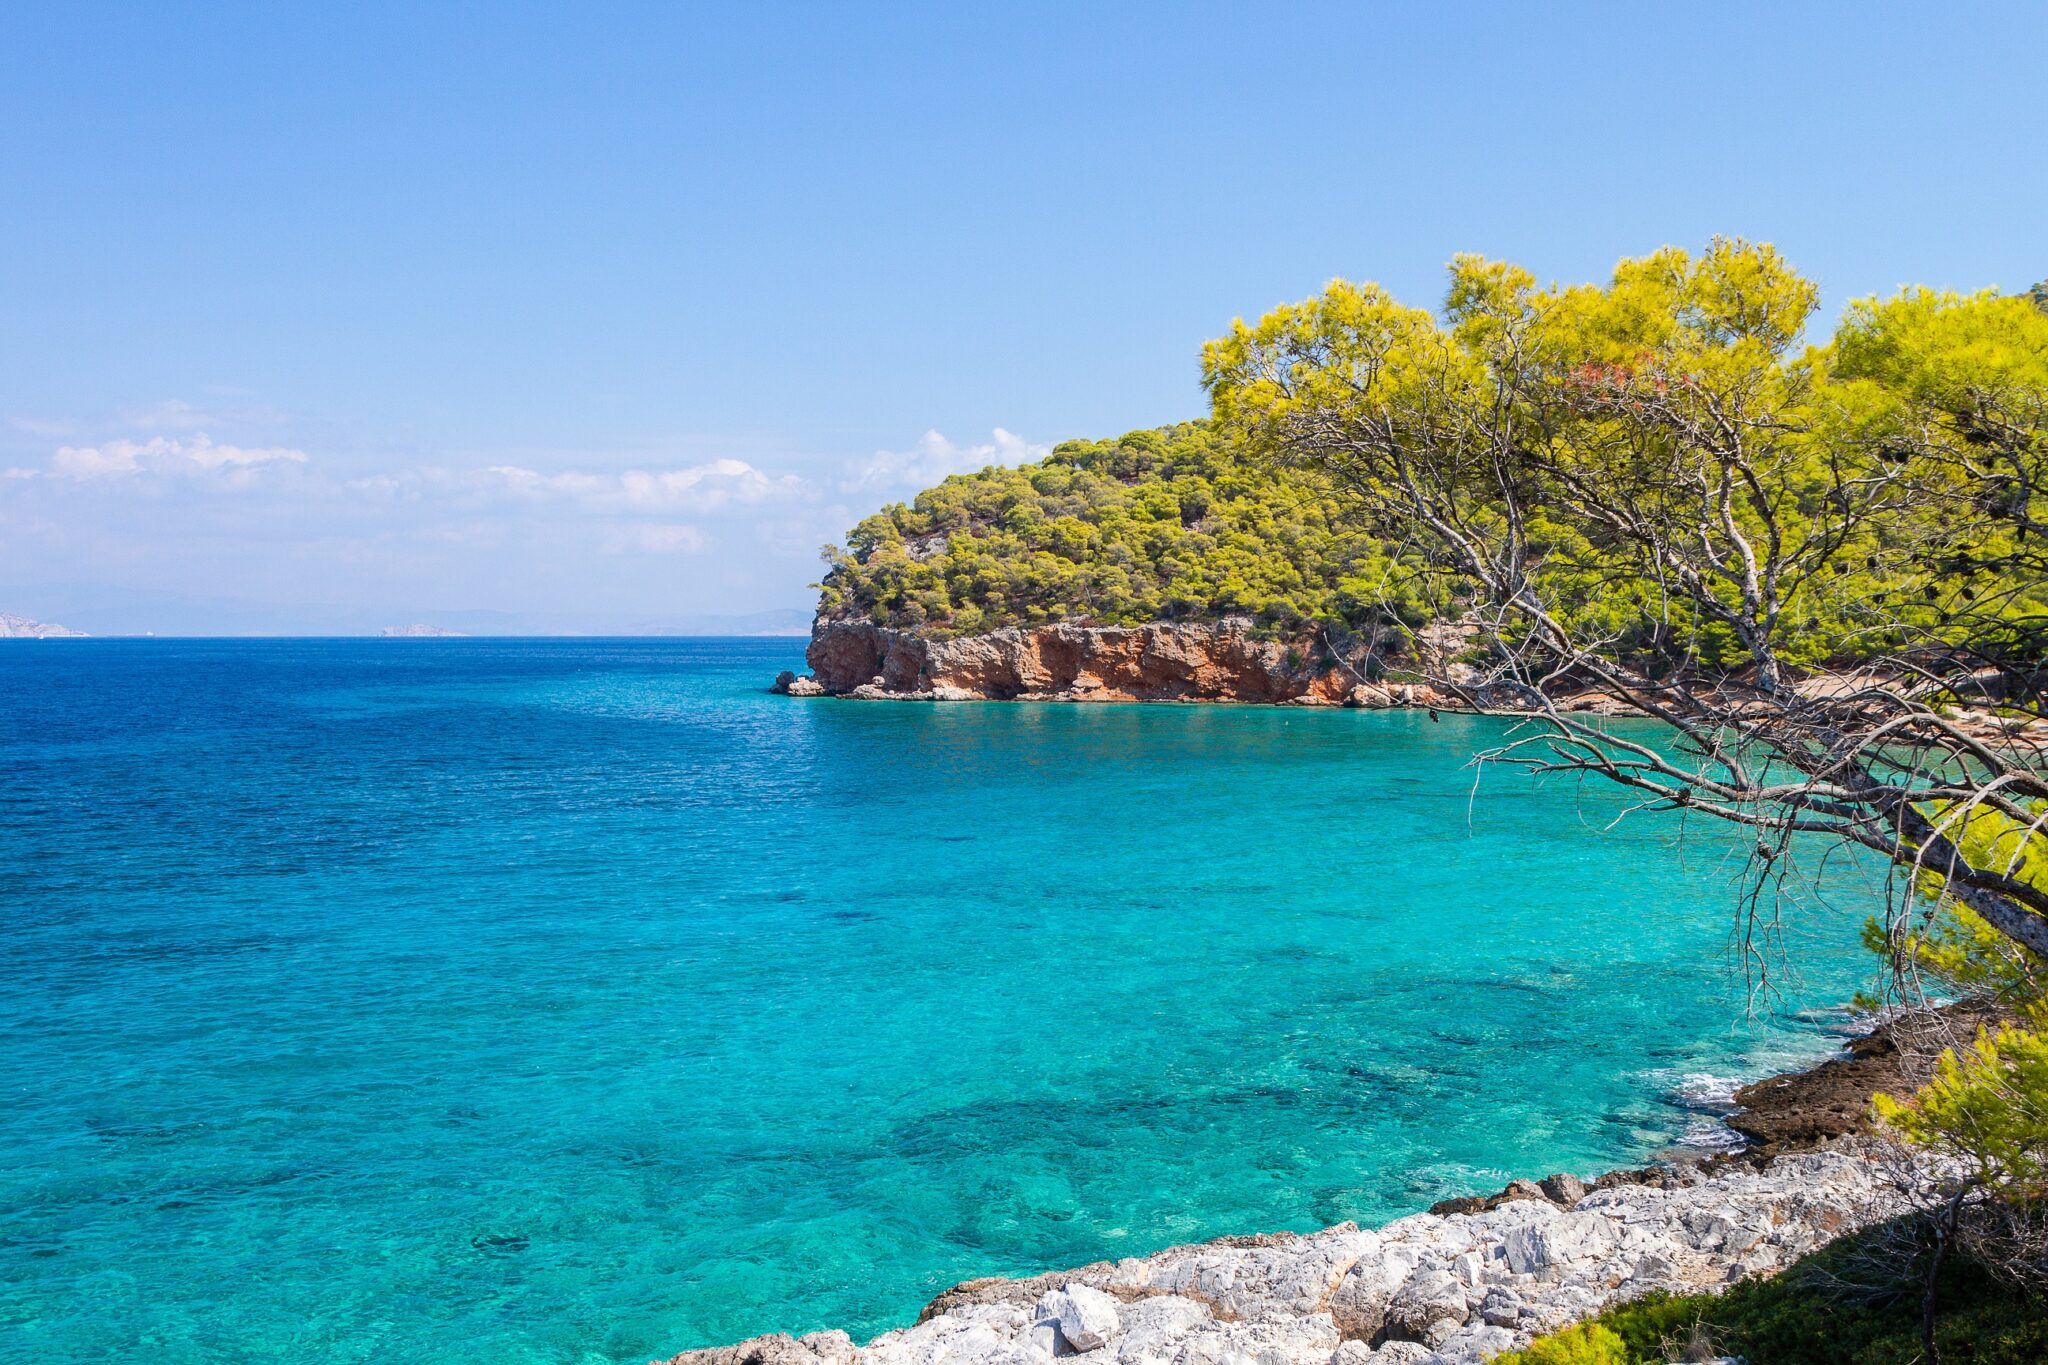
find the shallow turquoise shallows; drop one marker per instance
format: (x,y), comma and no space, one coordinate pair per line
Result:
(515,1001)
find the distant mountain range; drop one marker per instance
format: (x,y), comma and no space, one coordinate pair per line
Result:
(97,609)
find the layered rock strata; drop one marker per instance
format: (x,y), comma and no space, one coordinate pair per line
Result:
(1163,661)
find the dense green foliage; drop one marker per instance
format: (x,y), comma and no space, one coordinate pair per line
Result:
(1203,520)
(1833,1308)
(1985,1110)
(1659,463)
(1156,525)
(1948,944)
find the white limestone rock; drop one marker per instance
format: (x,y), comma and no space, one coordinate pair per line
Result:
(1153,1328)
(1463,1286)
(1088,1318)
(1403,1353)
(1428,1306)
(1475,1342)
(1501,1307)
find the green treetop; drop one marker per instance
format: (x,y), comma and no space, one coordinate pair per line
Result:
(1171,524)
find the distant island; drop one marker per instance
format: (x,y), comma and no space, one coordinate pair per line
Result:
(22,628)
(421,631)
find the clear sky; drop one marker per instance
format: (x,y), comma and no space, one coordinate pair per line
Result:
(602,314)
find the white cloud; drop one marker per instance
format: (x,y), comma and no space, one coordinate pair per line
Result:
(90,462)
(656,539)
(173,414)
(696,488)
(164,454)
(933,458)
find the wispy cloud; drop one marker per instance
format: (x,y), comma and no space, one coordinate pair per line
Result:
(43,426)
(694,488)
(173,414)
(662,538)
(163,454)
(933,458)
(674,525)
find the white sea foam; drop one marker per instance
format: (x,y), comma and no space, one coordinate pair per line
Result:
(1705,1134)
(1704,1090)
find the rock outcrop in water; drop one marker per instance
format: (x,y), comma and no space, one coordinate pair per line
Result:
(1423,1290)
(1164,661)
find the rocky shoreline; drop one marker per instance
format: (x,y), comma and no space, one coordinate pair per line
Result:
(1212,661)
(1225,660)
(1468,1279)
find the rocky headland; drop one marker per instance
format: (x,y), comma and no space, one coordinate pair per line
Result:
(1225,660)
(1214,661)
(1456,1285)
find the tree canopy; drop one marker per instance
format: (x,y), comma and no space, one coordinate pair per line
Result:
(1650,489)
(1655,489)
(1169,524)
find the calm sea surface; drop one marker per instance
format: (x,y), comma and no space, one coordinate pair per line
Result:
(576,1001)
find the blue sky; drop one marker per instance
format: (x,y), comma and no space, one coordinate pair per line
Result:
(596,315)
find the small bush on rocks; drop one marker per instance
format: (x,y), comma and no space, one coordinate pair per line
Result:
(1588,1343)
(1806,1317)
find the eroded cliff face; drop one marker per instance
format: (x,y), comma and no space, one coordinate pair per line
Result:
(1199,661)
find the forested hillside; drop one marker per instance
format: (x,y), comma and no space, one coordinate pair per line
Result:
(1155,525)
(1191,522)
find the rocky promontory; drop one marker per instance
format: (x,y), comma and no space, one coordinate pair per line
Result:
(1220,660)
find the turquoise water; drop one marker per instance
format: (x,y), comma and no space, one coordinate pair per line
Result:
(576,1001)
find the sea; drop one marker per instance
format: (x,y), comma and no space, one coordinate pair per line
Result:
(480,1000)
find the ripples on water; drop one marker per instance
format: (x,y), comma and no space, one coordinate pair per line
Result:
(576,1001)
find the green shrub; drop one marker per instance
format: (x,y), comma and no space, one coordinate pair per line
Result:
(1849,1304)
(1588,1343)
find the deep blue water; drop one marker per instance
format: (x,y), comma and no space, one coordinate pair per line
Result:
(577,1001)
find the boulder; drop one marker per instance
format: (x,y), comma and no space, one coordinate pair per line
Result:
(1087,1317)
(1428,1305)
(1403,1353)
(1502,1307)
(828,1346)
(1475,1342)
(1359,1305)
(790,684)
(776,1348)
